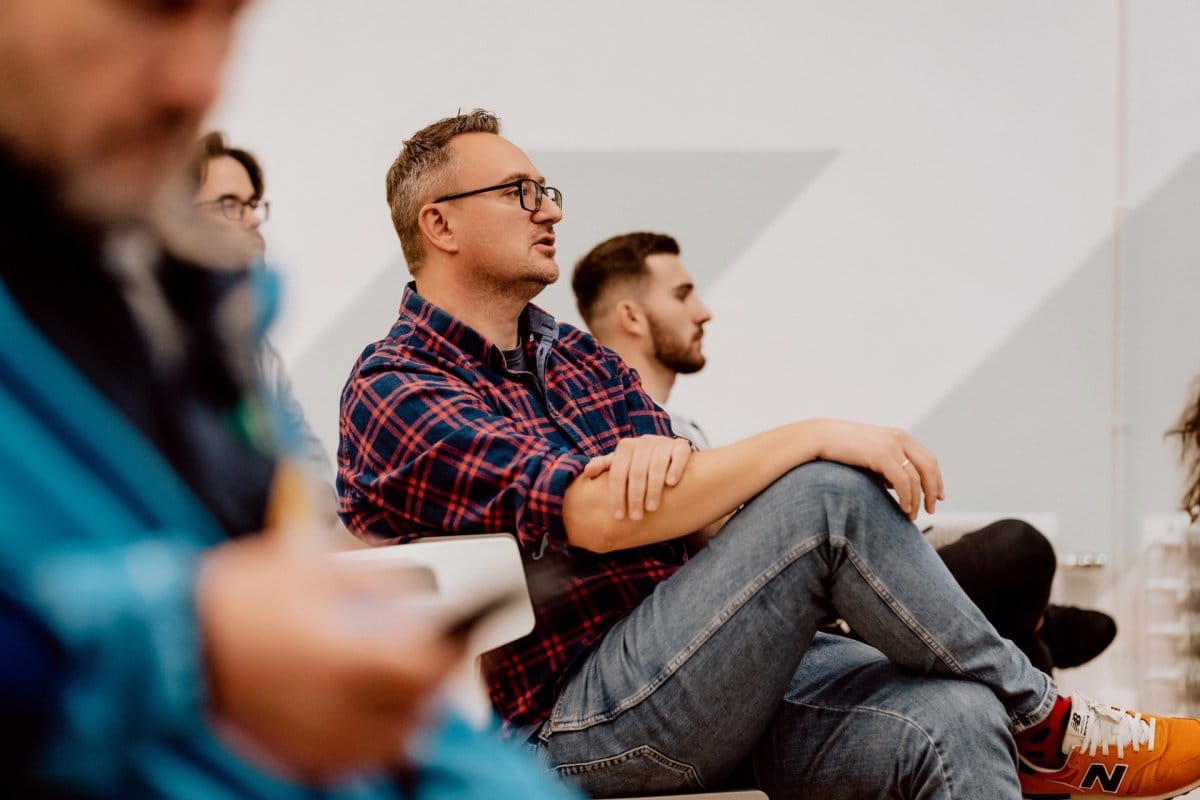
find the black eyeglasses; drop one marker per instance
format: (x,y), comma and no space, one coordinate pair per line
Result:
(528,191)
(234,208)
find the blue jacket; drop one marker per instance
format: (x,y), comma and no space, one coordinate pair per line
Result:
(99,543)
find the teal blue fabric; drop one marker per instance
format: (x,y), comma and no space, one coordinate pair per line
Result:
(460,763)
(100,541)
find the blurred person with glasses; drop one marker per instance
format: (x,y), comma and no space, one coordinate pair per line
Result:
(229,185)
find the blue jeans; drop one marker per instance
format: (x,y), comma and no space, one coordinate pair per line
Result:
(721,669)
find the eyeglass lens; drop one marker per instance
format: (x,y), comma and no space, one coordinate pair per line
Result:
(531,195)
(235,209)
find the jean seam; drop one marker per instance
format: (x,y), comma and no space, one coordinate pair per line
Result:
(1018,720)
(558,725)
(913,725)
(685,770)
(903,613)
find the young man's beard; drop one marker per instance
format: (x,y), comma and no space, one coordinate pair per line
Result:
(674,354)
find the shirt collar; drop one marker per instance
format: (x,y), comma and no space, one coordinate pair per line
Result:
(534,321)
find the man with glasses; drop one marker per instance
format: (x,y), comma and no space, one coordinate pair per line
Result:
(649,670)
(229,186)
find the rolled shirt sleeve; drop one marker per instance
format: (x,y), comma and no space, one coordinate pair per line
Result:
(425,452)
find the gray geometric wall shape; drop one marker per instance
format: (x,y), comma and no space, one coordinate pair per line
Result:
(1161,358)
(715,201)
(1028,428)
(1033,426)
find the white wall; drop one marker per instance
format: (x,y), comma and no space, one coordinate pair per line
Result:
(915,214)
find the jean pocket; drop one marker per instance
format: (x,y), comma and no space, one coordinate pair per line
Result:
(637,771)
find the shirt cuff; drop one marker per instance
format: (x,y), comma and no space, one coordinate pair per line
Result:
(543,519)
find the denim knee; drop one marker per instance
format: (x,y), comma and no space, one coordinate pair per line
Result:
(822,479)
(828,498)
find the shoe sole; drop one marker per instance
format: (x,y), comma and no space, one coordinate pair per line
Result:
(1177,793)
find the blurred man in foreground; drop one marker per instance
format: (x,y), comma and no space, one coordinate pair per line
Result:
(228,186)
(145,654)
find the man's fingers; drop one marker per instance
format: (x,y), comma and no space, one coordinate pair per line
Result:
(914,488)
(931,481)
(639,470)
(930,473)
(681,453)
(907,489)
(617,480)
(598,466)
(660,463)
(896,474)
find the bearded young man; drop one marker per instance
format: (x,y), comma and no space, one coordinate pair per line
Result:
(638,298)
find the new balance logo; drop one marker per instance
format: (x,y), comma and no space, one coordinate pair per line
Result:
(1098,774)
(1076,720)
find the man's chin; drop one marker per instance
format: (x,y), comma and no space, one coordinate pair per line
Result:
(544,274)
(107,196)
(112,204)
(680,362)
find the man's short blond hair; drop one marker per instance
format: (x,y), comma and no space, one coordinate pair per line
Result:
(419,174)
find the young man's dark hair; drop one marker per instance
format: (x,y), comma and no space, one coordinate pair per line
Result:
(616,260)
(214,145)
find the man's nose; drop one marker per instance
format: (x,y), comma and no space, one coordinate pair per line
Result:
(548,210)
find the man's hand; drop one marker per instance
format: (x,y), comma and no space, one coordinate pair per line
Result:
(323,669)
(639,468)
(904,462)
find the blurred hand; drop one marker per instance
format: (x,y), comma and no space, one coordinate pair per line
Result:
(323,667)
(639,468)
(904,462)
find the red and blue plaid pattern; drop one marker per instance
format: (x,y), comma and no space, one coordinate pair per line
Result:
(438,437)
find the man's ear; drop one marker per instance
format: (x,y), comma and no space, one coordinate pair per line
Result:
(630,318)
(436,228)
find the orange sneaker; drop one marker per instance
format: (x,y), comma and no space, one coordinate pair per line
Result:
(1119,753)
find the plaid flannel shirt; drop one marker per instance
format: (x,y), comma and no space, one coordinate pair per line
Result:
(438,436)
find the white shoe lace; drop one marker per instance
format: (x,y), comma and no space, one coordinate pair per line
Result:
(1114,726)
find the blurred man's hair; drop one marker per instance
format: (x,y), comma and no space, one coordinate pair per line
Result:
(614,261)
(214,145)
(419,174)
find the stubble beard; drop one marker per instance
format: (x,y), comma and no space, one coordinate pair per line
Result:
(674,355)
